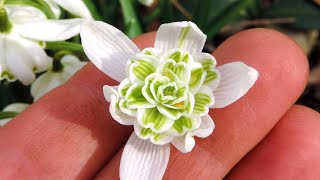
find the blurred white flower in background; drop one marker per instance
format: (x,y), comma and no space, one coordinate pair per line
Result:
(75,7)
(23,30)
(14,107)
(146,2)
(58,74)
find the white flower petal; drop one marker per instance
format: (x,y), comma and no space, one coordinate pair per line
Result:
(49,30)
(213,84)
(184,35)
(184,143)
(108,48)
(108,91)
(45,83)
(19,62)
(111,96)
(236,80)
(22,14)
(76,7)
(54,7)
(206,127)
(39,56)
(15,107)
(143,160)
(146,2)
(50,80)
(155,138)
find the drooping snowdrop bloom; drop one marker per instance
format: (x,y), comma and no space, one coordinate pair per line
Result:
(22,32)
(165,92)
(146,2)
(55,76)
(14,107)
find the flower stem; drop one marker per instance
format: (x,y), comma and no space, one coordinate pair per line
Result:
(9,114)
(57,66)
(5,24)
(75,48)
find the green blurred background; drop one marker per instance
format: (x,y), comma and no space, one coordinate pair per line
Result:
(219,19)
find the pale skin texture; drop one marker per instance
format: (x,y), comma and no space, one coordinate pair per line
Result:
(69,133)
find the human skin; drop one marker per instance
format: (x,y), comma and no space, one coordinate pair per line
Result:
(69,133)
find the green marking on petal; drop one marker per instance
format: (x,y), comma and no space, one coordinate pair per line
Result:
(141,69)
(182,124)
(178,56)
(211,75)
(7,75)
(152,118)
(147,133)
(183,34)
(180,69)
(122,105)
(207,64)
(171,113)
(135,98)
(203,99)
(198,76)
(123,87)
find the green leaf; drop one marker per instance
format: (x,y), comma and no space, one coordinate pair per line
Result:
(131,21)
(233,12)
(306,13)
(39,4)
(93,9)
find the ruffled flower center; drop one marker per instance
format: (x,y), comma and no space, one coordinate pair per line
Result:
(166,94)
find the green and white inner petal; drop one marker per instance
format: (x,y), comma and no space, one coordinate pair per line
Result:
(179,56)
(147,133)
(185,124)
(152,52)
(209,63)
(204,98)
(184,35)
(153,119)
(181,70)
(186,143)
(140,66)
(111,96)
(198,76)
(135,99)
(123,87)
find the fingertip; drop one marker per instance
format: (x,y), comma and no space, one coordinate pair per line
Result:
(289,151)
(267,51)
(145,40)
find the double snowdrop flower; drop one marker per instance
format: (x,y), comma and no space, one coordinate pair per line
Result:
(22,32)
(165,92)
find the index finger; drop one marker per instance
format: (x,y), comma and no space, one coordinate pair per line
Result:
(68,133)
